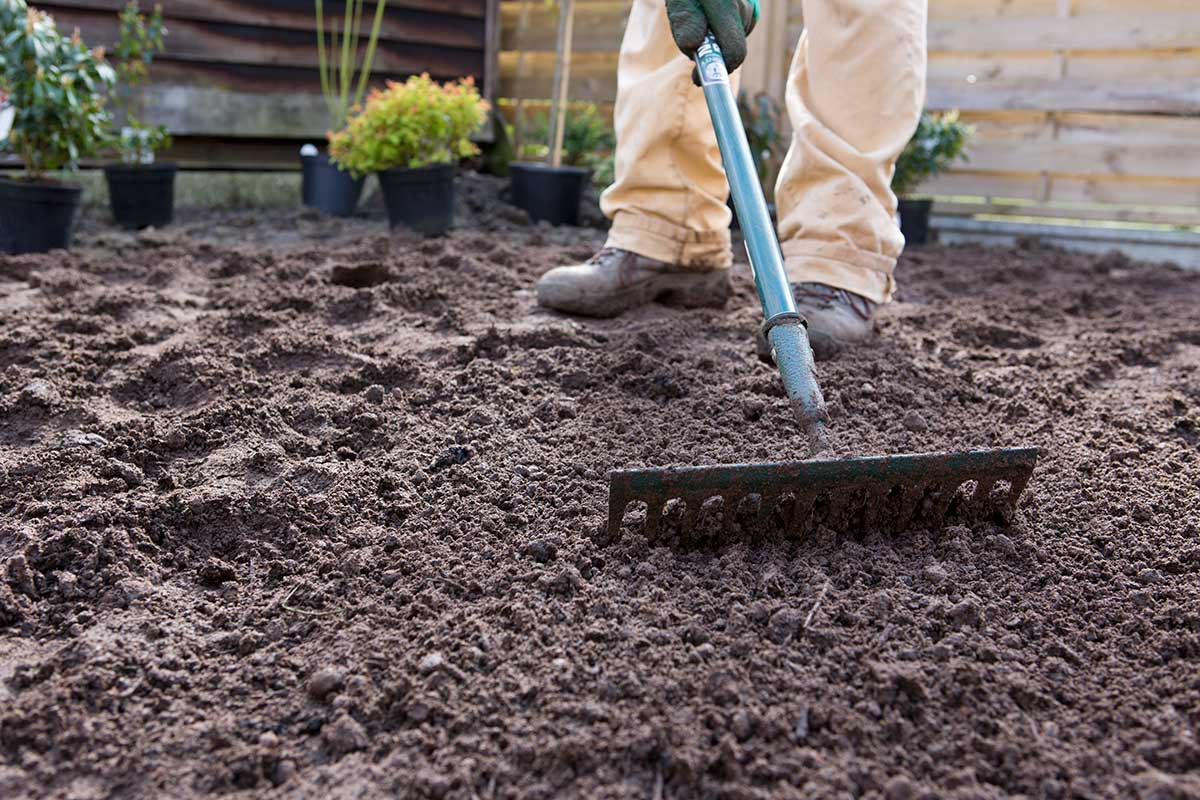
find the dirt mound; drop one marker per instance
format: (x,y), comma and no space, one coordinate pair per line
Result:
(291,502)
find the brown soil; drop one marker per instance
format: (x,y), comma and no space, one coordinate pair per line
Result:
(293,507)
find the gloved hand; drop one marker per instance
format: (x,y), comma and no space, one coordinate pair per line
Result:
(730,21)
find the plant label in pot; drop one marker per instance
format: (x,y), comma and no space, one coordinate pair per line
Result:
(7,115)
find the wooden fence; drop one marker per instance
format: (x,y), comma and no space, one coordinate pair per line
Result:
(1083,109)
(238,84)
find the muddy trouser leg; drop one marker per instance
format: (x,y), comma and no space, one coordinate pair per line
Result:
(668,200)
(854,96)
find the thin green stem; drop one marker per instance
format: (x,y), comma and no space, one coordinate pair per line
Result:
(347,69)
(365,75)
(322,57)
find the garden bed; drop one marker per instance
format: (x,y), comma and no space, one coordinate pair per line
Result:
(291,502)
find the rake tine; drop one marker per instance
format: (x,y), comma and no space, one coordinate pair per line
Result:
(767,504)
(982,501)
(654,513)
(691,514)
(801,510)
(874,510)
(617,503)
(727,513)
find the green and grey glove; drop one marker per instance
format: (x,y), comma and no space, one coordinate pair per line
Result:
(730,21)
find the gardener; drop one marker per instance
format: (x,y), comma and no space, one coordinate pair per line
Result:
(854,97)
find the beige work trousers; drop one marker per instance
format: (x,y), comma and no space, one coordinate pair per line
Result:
(854,96)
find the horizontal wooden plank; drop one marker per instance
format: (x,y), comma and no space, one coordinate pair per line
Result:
(400,24)
(1177,196)
(193,152)
(210,111)
(238,44)
(1086,144)
(1182,217)
(1171,64)
(940,10)
(1022,186)
(1136,191)
(1127,31)
(1084,8)
(599,27)
(273,13)
(593,76)
(1145,95)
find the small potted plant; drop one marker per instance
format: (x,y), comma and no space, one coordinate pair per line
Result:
(938,141)
(325,184)
(57,87)
(550,192)
(141,192)
(411,135)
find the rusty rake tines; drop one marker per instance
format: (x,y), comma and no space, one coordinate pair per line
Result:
(851,495)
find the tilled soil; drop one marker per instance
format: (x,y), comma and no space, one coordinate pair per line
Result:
(294,507)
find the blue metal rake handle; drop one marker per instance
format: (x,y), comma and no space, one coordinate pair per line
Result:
(784,327)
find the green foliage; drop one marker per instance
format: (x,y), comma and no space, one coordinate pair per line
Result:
(57,86)
(338,58)
(140,40)
(604,171)
(587,137)
(411,124)
(762,119)
(938,141)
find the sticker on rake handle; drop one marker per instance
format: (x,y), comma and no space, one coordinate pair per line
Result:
(711,65)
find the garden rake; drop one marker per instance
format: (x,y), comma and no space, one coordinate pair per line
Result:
(846,495)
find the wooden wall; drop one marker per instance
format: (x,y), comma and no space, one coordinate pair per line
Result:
(238,85)
(1084,109)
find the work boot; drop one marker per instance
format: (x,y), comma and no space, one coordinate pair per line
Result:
(614,281)
(836,319)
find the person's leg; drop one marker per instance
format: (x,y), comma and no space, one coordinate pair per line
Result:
(854,97)
(670,234)
(669,198)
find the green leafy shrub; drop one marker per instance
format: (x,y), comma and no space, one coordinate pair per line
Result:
(587,137)
(140,40)
(411,124)
(588,142)
(57,86)
(337,58)
(938,141)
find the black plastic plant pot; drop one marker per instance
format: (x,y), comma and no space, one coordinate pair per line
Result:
(914,221)
(141,195)
(549,193)
(421,198)
(36,217)
(327,188)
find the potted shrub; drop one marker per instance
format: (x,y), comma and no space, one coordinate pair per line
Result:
(411,135)
(552,193)
(325,184)
(57,87)
(141,192)
(938,141)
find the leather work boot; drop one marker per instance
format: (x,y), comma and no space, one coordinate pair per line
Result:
(836,319)
(614,281)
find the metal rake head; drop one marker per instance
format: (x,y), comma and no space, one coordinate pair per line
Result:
(850,495)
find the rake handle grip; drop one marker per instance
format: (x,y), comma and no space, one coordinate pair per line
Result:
(787,334)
